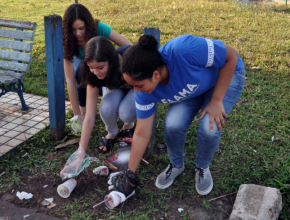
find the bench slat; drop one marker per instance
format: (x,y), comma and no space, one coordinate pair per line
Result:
(20,35)
(14,66)
(18,24)
(7,79)
(12,74)
(16,45)
(25,57)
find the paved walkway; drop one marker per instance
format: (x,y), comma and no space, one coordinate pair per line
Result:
(9,211)
(16,125)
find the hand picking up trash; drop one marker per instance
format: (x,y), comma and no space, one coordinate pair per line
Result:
(126,183)
(76,163)
(76,124)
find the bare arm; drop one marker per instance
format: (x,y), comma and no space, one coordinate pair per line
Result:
(215,107)
(119,39)
(226,74)
(71,86)
(89,121)
(140,141)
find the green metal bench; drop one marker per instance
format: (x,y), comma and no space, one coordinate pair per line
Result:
(15,55)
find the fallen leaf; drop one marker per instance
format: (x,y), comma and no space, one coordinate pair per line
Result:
(70,142)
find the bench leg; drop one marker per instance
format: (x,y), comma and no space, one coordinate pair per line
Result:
(20,94)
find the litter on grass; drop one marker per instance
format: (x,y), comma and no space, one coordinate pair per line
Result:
(180,209)
(101,170)
(45,186)
(273,138)
(70,171)
(24,195)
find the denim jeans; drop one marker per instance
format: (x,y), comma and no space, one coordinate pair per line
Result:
(180,116)
(82,92)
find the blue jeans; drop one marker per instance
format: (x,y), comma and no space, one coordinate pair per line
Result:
(82,92)
(180,116)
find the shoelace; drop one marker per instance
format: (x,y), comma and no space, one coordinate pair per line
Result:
(201,172)
(169,170)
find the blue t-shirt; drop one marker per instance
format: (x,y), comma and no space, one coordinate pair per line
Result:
(193,64)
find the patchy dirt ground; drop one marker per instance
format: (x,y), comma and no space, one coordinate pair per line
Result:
(91,189)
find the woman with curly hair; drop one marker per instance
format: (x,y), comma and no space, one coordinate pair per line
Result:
(79,27)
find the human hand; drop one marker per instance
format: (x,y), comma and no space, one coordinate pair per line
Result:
(125,182)
(216,112)
(74,163)
(76,123)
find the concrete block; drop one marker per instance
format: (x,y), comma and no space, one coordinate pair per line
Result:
(254,202)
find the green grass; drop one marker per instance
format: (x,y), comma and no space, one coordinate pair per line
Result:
(246,153)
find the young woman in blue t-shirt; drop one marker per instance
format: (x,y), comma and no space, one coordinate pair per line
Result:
(190,73)
(78,28)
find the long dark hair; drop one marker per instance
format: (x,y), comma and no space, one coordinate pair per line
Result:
(100,49)
(142,59)
(73,13)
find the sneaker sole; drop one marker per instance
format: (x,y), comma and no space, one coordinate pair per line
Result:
(163,186)
(203,193)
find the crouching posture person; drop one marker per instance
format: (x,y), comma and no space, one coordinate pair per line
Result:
(190,73)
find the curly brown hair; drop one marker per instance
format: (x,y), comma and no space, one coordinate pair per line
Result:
(73,13)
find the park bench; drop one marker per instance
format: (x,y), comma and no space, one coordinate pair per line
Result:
(15,55)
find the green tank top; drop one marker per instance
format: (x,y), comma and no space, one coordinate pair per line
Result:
(103,31)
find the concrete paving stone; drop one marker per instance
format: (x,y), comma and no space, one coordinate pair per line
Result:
(14,108)
(9,126)
(3,100)
(33,105)
(254,202)
(36,97)
(27,116)
(40,125)
(35,112)
(14,101)
(40,102)
(38,118)
(21,128)
(3,131)
(13,96)
(5,148)
(43,108)
(11,134)
(45,114)
(33,131)
(30,100)
(3,139)
(24,136)
(2,123)
(19,121)
(17,113)
(27,95)
(46,121)
(14,142)
(29,123)
(9,118)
